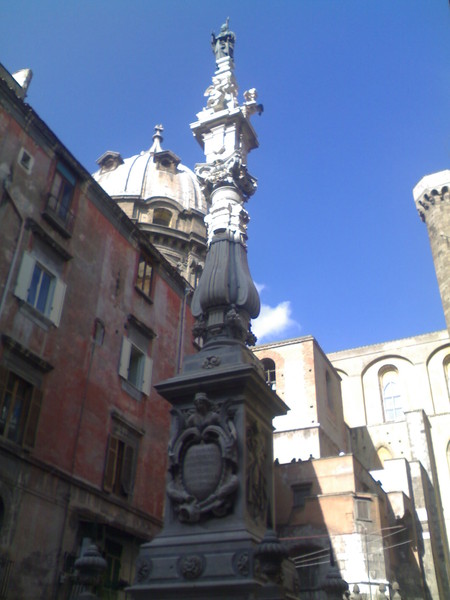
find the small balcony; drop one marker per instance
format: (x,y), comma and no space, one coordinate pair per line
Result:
(59,216)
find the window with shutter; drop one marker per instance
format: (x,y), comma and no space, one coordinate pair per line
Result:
(20,406)
(135,366)
(120,465)
(40,288)
(363,509)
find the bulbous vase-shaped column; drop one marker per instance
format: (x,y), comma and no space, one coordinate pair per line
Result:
(226,297)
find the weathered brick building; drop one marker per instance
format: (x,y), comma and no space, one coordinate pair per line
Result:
(90,314)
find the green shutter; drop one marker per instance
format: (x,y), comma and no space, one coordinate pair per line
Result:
(126,476)
(57,301)
(111,464)
(24,276)
(147,375)
(29,436)
(125,355)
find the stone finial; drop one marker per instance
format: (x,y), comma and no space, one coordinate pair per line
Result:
(90,567)
(355,595)
(157,139)
(271,552)
(334,585)
(396,591)
(381,593)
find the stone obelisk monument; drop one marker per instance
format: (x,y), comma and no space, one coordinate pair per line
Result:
(217,540)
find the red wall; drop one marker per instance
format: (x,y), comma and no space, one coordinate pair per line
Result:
(83,387)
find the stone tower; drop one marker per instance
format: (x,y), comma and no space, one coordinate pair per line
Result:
(432,198)
(218,541)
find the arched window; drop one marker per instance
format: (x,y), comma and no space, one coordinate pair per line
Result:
(383,454)
(447,372)
(162,216)
(270,372)
(392,395)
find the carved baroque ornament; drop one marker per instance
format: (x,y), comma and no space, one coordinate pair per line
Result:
(229,171)
(256,484)
(192,566)
(203,461)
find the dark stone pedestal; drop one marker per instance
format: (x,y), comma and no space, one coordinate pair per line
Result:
(219,487)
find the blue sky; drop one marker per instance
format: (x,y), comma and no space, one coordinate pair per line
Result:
(356,97)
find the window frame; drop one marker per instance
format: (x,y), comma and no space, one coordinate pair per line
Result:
(270,372)
(393,404)
(55,295)
(300,492)
(25,160)
(120,466)
(59,208)
(144,284)
(144,370)
(29,408)
(121,457)
(63,190)
(446,364)
(162,216)
(363,514)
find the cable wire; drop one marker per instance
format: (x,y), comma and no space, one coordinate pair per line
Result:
(302,556)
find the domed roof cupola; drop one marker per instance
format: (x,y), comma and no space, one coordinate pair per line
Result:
(164,198)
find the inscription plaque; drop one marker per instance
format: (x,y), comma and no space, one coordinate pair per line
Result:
(202,468)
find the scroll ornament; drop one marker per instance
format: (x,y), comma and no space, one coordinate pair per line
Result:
(203,461)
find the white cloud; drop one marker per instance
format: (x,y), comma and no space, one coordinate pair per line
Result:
(273,321)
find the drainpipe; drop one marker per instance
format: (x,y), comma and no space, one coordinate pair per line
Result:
(5,183)
(187,291)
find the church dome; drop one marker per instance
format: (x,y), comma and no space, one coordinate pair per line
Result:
(155,173)
(164,199)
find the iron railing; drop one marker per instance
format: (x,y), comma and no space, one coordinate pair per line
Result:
(60,215)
